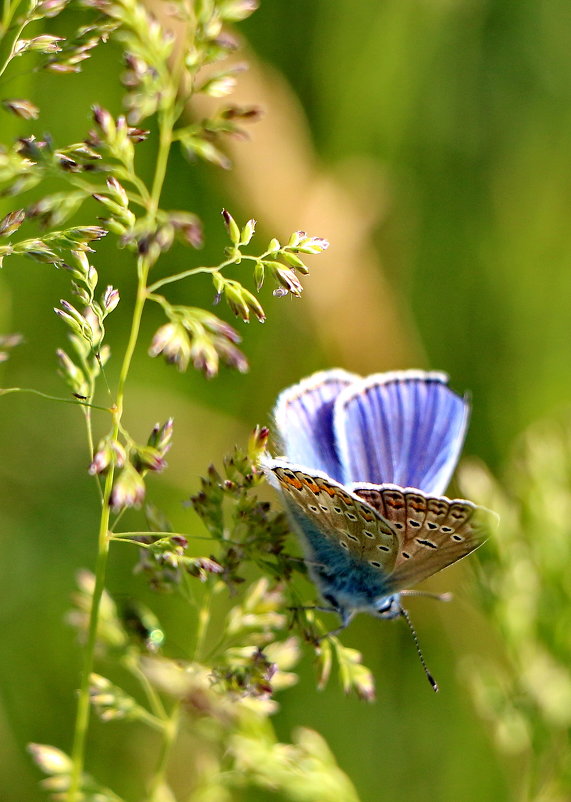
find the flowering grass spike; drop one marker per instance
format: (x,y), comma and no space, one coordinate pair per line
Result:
(224,687)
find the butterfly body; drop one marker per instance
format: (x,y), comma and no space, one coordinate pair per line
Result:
(368,507)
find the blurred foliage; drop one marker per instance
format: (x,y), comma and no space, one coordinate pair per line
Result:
(524,587)
(459,114)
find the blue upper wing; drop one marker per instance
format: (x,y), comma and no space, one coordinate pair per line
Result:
(406,428)
(304,420)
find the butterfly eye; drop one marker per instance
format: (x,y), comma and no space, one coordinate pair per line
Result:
(389,608)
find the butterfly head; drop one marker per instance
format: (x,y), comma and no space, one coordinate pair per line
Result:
(388,606)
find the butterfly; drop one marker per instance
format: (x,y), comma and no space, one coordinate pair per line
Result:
(367,461)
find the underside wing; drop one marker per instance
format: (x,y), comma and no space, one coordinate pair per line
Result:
(433,532)
(338,514)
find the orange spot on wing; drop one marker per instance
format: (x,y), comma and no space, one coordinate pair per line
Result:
(291,480)
(396,505)
(331,491)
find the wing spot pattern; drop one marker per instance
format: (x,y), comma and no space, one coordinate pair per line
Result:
(394,504)
(366,513)
(289,479)
(438,507)
(311,485)
(426,543)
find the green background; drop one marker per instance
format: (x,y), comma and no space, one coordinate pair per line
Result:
(444,126)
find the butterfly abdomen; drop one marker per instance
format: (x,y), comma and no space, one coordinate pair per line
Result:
(352,582)
(355,588)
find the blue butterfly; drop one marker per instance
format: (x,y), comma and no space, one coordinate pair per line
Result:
(367,461)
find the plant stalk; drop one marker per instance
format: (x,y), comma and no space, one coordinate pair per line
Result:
(83,708)
(170,733)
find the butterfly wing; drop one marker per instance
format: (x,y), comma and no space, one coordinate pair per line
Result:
(331,517)
(434,532)
(404,427)
(304,420)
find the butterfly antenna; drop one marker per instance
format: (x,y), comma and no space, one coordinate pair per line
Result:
(429,676)
(445,597)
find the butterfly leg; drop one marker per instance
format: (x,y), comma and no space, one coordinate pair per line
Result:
(315,607)
(346,618)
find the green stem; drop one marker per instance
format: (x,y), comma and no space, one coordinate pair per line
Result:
(151,721)
(159,713)
(130,537)
(83,709)
(7,13)
(82,716)
(202,623)
(165,140)
(143,272)
(90,440)
(185,274)
(167,120)
(75,401)
(193,271)
(17,35)
(170,732)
